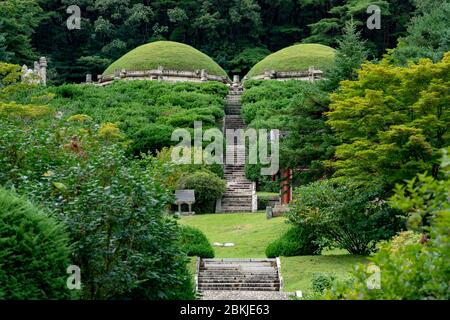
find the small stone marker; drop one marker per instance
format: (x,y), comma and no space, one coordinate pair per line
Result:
(299,294)
(269,213)
(228,244)
(184,197)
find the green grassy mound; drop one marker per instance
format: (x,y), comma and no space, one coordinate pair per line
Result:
(296,58)
(170,55)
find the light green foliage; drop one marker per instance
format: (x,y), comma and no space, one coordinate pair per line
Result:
(9,73)
(168,54)
(251,233)
(296,58)
(34,251)
(392,121)
(146,112)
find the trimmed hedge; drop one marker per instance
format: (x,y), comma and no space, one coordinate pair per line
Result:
(296,241)
(34,251)
(195,243)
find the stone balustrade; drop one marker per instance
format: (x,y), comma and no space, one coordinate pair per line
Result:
(162,74)
(306,75)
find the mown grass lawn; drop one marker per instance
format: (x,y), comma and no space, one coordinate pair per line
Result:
(252,232)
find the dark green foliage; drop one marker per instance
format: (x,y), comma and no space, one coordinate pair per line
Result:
(208,188)
(350,54)
(244,61)
(297,107)
(34,251)
(18,21)
(413,266)
(195,243)
(297,241)
(428,33)
(345,215)
(395,15)
(113,207)
(151,137)
(124,244)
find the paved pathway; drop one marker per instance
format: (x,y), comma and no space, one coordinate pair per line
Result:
(244,295)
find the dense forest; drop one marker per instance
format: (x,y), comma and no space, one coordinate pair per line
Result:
(237,34)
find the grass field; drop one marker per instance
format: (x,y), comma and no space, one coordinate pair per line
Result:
(252,232)
(296,58)
(170,55)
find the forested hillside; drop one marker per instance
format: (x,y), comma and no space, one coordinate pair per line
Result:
(237,34)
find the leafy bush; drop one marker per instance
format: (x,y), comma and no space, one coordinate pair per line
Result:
(296,241)
(195,243)
(34,251)
(349,217)
(208,188)
(322,281)
(412,266)
(391,129)
(125,245)
(151,137)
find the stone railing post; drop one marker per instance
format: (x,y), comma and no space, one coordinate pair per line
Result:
(160,72)
(203,75)
(117,74)
(311,73)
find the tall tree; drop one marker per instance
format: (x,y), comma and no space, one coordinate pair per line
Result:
(428,33)
(18,21)
(350,54)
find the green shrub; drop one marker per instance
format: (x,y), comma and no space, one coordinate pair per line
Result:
(349,217)
(150,138)
(208,188)
(195,243)
(412,265)
(322,281)
(34,252)
(125,245)
(296,241)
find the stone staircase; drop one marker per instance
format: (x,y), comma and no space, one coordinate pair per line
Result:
(238,274)
(240,194)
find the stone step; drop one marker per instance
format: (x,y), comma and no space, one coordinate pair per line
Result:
(246,287)
(238,289)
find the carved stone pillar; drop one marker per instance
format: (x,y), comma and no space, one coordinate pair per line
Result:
(88,78)
(43,70)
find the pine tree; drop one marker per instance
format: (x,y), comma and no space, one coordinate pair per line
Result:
(350,54)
